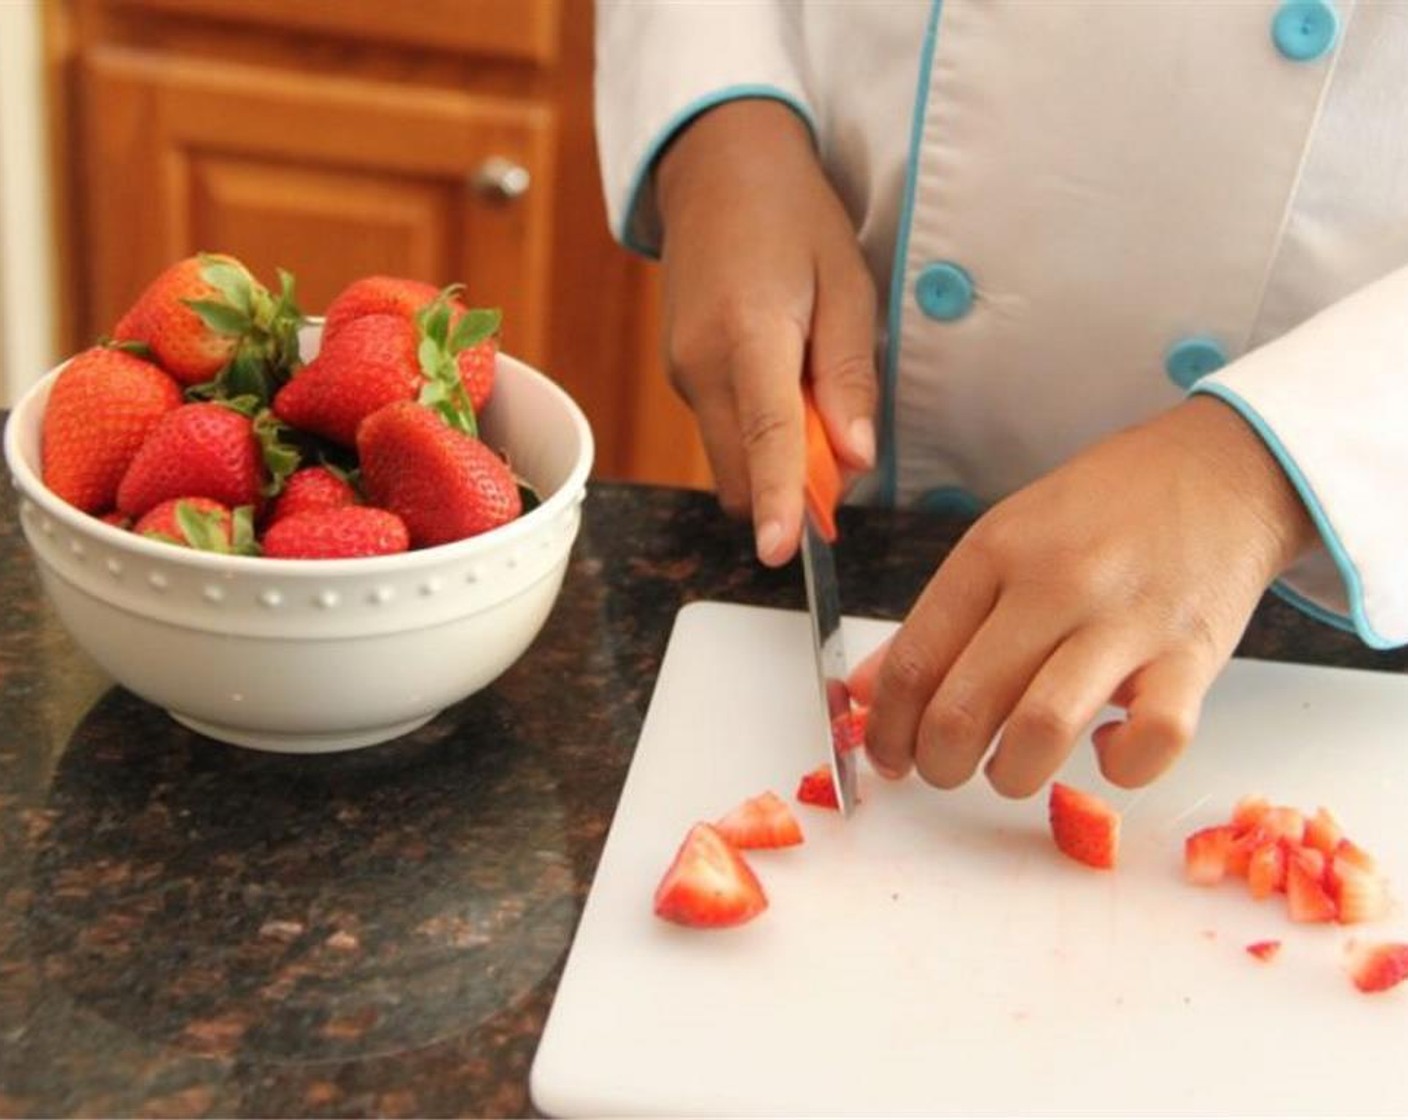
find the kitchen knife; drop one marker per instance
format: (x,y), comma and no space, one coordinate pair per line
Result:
(823,492)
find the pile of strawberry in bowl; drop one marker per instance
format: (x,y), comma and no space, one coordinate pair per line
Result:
(300,534)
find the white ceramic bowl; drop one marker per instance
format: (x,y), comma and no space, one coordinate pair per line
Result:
(316,655)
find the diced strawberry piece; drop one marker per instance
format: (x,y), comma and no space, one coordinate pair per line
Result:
(1083,826)
(1264,950)
(1360,896)
(848,729)
(764,821)
(1205,855)
(1306,899)
(818,788)
(1284,822)
(1247,841)
(1323,831)
(1351,852)
(1377,966)
(1248,811)
(1266,871)
(1311,859)
(709,884)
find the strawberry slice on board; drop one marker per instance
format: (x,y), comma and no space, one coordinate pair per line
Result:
(1265,950)
(1206,853)
(1083,826)
(709,885)
(1377,966)
(818,787)
(764,821)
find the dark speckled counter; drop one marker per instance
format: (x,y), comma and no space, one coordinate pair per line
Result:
(193,929)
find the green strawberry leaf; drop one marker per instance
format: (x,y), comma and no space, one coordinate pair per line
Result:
(475,325)
(232,281)
(281,458)
(136,349)
(204,529)
(221,318)
(242,539)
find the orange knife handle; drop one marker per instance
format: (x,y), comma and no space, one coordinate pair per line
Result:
(823,485)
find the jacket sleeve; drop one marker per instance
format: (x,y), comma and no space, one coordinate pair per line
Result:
(659,64)
(1330,400)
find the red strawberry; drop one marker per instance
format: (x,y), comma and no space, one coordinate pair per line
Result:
(1323,831)
(371,362)
(377,295)
(1264,950)
(1205,855)
(474,333)
(206,317)
(818,787)
(103,404)
(336,533)
(1266,870)
(848,729)
(1083,826)
(709,884)
(310,488)
(199,523)
(204,450)
(445,485)
(1377,966)
(764,821)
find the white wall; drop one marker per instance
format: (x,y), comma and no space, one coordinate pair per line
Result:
(26,244)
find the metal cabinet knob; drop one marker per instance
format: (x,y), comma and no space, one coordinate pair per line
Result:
(501,179)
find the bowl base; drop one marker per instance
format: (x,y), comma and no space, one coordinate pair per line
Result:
(311,743)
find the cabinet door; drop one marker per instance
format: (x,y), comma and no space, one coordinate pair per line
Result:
(328,177)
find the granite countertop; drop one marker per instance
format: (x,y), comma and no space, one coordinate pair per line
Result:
(193,929)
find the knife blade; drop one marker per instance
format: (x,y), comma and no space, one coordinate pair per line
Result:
(823,491)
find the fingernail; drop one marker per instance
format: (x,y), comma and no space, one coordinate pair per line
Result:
(861,435)
(769,538)
(884,770)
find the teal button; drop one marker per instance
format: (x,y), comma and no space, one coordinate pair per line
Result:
(944,291)
(1192,359)
(951,501)
(1304,30)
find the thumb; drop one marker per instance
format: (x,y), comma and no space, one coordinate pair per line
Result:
(841,362)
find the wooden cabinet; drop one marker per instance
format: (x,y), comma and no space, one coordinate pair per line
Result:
(449,140)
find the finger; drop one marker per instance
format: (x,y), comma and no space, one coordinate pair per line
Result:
(861,680)
(1165,700)
(946,615)
(985,682)
(1064,696)
(767,365)
(717,420)
(842,361)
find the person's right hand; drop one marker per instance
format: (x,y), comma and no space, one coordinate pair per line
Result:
(764,284)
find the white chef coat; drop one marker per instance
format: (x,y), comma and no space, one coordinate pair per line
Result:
(1076,212)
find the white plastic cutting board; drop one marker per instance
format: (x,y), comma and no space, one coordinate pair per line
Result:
(935,955)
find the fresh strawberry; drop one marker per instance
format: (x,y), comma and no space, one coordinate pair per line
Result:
(371,362)
(1249,811)
(445,485)
(848,729)
(200,523)
(103,405)
(764,821)
(1264,950)
(336,533)
(310,488)
(210,323)
(1306,898)
(1083,826)
(818,787)
(473,333)
(203,450)
(1377,966)
(709,884)
(377,295)
(1205,855)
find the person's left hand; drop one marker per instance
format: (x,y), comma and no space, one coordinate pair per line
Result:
(1125,576)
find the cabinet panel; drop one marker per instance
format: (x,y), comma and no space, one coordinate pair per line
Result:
(336,178)
(523,29)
